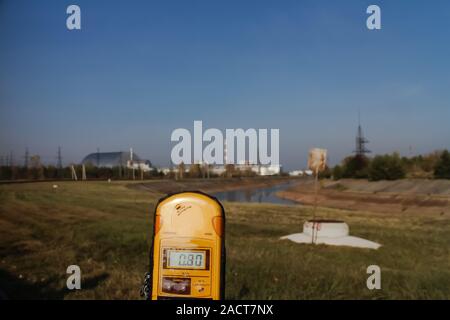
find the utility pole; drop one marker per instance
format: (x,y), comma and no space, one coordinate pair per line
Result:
(316,189)
(27,157)
(83,173)
(11,163)
(59,163)
(74,173)
(131,162)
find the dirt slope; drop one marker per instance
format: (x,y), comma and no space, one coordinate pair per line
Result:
(402,196)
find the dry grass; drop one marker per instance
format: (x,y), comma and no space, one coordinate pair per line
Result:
(105,227)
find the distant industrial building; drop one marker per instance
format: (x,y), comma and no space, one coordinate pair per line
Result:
(296,173)
(260,170)
(117,159)
(300,173)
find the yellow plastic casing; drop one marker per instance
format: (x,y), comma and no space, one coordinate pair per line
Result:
(188,222)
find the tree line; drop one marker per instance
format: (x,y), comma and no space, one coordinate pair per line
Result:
(392,167)
(37,171)
(381,167)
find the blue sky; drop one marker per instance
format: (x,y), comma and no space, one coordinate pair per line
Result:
(140,69)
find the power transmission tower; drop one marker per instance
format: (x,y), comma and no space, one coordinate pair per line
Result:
(98,157)
(361,141)
(59,163)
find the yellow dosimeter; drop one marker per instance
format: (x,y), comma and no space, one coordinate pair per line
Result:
(188,251)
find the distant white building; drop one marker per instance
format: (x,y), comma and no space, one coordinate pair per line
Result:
(165,171)
(269,170)
(219,170)
(128,160)
(261,170)
(139,165)
(296,173)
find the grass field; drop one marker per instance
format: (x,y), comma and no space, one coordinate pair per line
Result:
(105,228)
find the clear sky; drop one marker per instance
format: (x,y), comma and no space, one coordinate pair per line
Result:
(140,69)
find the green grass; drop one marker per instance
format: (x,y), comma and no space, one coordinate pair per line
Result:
(105,228)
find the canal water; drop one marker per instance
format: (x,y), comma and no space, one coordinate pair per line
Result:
(259,195)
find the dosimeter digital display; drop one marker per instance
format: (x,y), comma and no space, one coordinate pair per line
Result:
(188,251)
(186,259)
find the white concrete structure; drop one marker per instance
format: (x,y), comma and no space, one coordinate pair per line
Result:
(139,165)
(335,233)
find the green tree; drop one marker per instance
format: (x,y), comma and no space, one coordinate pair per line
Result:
(337,172)
(442,167)
(50,172)
(386,167)
(356,167)
(430,161)
(325,173)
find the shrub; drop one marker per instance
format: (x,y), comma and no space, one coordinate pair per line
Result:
(337,172)
(386,167)
(325,174)
(355,167)
(442,168)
